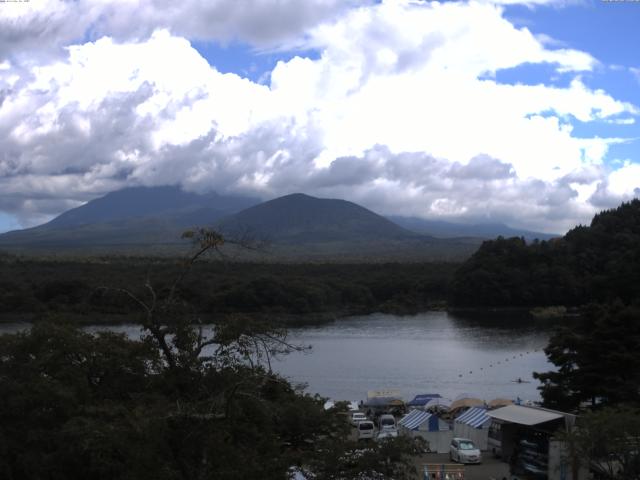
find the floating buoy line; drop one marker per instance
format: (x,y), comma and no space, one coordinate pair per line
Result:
(499,362)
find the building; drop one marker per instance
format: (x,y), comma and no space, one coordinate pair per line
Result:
(527,438)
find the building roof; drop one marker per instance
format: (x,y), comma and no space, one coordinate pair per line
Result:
(524,415)
(475,417)
(414,419)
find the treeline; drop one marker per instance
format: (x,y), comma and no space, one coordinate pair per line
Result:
(598,263)
(89,288)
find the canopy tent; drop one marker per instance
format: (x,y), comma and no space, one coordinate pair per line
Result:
(438,404)
(474,417)
(417,418)
(499,402)
(422,399)
(474,425)
(435,431)
(466,402)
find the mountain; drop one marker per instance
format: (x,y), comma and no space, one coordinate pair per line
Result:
(150,202)
(443,229)
(132,216)
(151,220)
(301,219)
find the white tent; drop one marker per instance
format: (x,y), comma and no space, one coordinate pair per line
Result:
(418,423)
(474,425)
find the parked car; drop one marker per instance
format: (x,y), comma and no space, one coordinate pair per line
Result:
(464,450)
(387,433)
(358,417)
(386,421)
(365,429)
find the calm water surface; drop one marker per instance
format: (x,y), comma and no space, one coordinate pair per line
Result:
(433,352)
(426,353)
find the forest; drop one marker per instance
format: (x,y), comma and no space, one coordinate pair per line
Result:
(595,263)
(82,289)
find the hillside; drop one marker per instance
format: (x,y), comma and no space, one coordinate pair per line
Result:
(600,262)
(301,227)
(132,216)
(299,219)
(444,229)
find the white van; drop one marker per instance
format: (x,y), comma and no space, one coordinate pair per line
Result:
(365,429)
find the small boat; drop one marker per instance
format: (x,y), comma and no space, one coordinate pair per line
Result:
(519,380)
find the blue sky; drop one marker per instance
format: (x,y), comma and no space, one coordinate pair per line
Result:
(608,31)
(522,112)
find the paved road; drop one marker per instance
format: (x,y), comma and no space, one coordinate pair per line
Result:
(489,469)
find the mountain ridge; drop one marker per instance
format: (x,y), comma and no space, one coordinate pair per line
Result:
(446,229)
(296,225)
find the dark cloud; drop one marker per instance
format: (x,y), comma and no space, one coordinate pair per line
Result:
(483,167)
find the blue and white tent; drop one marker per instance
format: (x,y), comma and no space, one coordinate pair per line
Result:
(475,417)
(419,423)
(416,419)
(474,425)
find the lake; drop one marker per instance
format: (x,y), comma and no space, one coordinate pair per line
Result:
(432,352)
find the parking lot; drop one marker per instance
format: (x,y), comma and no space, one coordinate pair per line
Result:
(490,468)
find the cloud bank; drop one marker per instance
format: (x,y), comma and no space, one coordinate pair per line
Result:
(400,110)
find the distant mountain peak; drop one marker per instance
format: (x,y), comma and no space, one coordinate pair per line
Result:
(296,226)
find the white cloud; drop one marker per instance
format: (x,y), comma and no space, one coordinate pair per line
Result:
(625,182)
(397,112)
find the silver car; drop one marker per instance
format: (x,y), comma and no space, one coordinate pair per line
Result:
(464,450)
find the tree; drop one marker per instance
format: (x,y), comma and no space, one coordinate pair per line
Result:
(608,440)
(595,360)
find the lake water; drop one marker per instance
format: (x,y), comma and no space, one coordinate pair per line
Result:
(433,352)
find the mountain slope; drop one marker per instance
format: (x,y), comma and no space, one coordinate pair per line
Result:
(299,219)
(138,215)
(444,229)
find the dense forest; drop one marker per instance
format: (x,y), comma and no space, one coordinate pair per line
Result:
(76,288)
(596,263)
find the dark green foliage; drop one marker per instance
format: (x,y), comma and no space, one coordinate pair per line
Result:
(67,286)
(77,406)
(596,263)
(597,360)
(609,438)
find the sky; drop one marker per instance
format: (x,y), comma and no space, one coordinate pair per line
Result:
(524,112)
